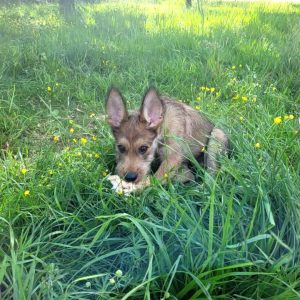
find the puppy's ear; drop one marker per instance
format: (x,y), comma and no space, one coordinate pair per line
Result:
(152,109)
(115,108)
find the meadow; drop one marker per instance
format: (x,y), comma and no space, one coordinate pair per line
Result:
(64,234)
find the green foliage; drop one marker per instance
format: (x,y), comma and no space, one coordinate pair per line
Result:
(65,235)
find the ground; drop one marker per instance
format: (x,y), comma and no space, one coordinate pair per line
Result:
(64,234)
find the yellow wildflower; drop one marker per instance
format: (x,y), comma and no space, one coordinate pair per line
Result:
(202,88)
(78,153)
(56,84)
(51,172)
(277,120)
(257,145)
(203,149)
(166,175)
(89,155)
(291,117)
(244,98)
(56,138)
(26,193)
(67,148)
(120,193)
(233,67)
(212,89)
(71,130)
(92,115)
(24,171)
(97,155)
(241,119)
(198,98)
(83,141)
(104,173)
(94,138)
(286,117)
(197,107)
(207,89)
(74,141)
(49,89)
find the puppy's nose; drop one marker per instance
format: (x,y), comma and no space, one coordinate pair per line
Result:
(131,176)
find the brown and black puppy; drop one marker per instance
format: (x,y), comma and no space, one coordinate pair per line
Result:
(165,128)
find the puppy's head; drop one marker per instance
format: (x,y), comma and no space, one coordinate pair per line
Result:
(135,134)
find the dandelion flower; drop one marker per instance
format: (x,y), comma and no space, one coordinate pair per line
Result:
(78,153)
(119,273)
(120,193)
(92,115)
(233,67)
(83,141)
(244,98)
(212,89)
(197,107)
(286,117)
(277,120)
(104,174)
(202,88)
(56,138)
(291,117)
(198,98)
(71,130)
(241,119)
(49,89)
(257,145)
(26,193)
(24,171)
(207,89)
(97,155)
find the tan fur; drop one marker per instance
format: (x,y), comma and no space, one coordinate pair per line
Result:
(181,130)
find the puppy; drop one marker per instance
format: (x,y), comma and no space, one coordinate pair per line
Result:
(161,128)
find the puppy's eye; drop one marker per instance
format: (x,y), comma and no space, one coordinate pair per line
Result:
(121,148)
(143,149)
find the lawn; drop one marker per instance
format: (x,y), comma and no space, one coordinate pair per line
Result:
(64,234)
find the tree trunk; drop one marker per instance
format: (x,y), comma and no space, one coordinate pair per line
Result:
(67,8)
(188,3)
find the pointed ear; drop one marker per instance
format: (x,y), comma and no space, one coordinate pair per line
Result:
(152,109)
(115,108)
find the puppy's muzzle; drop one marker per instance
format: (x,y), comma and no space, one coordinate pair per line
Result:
(131,176)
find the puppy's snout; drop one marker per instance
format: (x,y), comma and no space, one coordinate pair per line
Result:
(131,176)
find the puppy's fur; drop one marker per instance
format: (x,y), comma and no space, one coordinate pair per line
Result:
(165,128)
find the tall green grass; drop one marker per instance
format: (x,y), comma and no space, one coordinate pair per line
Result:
(65,235)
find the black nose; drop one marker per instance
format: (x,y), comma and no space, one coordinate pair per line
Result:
(131,176)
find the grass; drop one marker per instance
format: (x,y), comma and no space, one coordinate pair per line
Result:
(232,237)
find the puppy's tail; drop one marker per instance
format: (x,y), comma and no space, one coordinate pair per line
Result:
(218,145)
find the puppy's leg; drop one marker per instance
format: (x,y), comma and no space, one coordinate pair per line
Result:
(218,145)
(184,174)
